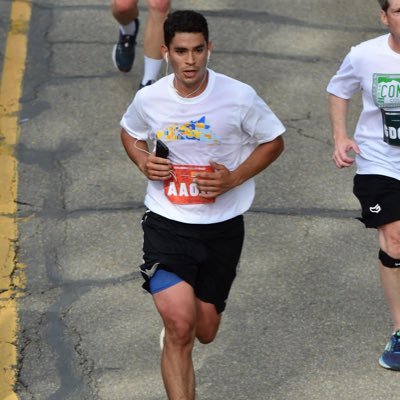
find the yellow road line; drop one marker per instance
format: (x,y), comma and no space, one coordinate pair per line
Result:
(10,281)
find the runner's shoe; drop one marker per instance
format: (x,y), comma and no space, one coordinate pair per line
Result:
(123,53)
(148,83)
(390,358)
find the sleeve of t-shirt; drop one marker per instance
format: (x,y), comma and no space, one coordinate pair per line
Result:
(345,82)
(260,122)
(133,120)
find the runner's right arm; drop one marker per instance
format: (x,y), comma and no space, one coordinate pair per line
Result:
(338,111)
(154,168)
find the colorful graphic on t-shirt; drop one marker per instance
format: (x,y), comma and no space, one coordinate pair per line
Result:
(194,130)
(386,90)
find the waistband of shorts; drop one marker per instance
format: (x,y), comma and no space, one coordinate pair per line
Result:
(227,222)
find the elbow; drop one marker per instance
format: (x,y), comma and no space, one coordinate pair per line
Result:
(122,135)
(280,146)
(125,138)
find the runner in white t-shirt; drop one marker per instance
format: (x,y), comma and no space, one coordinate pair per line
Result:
(373,67)
(219,134)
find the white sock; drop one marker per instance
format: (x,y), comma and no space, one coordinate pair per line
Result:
(151,69)
(129,29)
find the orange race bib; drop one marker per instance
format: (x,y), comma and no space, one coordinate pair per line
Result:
(181,189)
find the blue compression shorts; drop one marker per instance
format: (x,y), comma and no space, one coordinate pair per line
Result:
(162,280)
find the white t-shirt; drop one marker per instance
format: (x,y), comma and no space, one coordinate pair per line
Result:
(223,124)
(374,68)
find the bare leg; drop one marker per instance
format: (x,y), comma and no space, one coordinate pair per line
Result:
(389,240)
(391,285)
(207,322)
(176,306)
(154,34)
(184,317)
(124,11)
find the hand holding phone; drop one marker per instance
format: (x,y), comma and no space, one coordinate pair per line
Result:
(161,149)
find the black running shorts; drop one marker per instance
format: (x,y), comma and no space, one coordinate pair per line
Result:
(379,197)
(204,255)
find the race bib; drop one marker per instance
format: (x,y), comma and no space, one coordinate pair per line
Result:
(391,127)
(181,189)
(386,95)
(386,90)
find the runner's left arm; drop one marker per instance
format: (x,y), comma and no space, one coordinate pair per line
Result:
(213,184)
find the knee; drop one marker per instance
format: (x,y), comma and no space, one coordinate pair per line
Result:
(393,245)
(179,333)
(121,7)
(206,337)
(389,238)
(207,332)
(389,254)
(158,6)
(388,261)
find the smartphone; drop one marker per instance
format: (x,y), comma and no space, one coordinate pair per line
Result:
(161,149)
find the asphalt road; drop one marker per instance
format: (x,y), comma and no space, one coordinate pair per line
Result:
(306,318)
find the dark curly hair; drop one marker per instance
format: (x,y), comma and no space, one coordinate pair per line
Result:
(184,21)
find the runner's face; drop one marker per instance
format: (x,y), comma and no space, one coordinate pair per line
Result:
(187,55)
(391,18)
